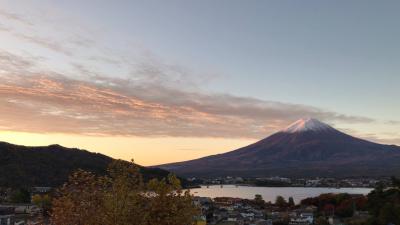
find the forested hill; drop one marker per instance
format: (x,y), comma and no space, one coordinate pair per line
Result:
(22,166)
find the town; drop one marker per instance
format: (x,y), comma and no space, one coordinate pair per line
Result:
(351,209)
(277,181)
(25,207)
(30,207)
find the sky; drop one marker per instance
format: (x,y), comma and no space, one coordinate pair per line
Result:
(166,81)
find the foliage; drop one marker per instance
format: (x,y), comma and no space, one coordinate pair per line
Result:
(121,198)
(280,201)
(43,201)
(342,205)
(169,204)
(284,220)
(291,202)
(321,221)
(345,208)
(258,201)
(80,200)
(20,196)
(258,198)
(384,205)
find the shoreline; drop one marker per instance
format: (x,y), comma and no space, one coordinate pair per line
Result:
(249,185)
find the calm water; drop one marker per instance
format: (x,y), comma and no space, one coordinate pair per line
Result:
(270,193)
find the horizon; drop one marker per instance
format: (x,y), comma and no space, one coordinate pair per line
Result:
(299,125)
(170,82)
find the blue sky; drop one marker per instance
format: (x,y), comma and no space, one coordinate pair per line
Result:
(257,64)
(333,54)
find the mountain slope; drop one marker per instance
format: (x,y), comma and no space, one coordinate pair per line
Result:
(306,148)
(51,165)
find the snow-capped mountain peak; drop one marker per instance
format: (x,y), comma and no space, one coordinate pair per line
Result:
(306,124)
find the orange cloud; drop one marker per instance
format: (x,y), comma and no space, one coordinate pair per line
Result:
(40,102)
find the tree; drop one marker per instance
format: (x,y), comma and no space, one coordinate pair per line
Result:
(43,201)
(346,208)
(258,198)
(259,201)
(395,182)
(80,201)
(384,204)
(20,196)
(321,221)
(291,202)
(390,214)
(280,201)
(169,204)
(121,198)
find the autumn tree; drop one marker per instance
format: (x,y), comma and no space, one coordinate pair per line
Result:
(42,201)
(80,201)
(168,204)
(125,200)
(121,198)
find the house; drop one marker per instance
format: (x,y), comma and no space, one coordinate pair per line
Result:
(40,190)
(335,221)
(303,219)
(22,208)
(247,216)
(6,219)
(263,222)
(7,216)
(201,220)
(309,217)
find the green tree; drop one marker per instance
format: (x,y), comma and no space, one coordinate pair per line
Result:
(291,202)
(384,204)
(20,196)
(345,208)
(259,201)
(258,198)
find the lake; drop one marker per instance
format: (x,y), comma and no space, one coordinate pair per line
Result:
(270,193)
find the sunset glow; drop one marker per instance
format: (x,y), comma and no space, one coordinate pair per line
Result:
(129,87)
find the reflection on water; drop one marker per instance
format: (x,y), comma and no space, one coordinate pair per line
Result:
(270,193)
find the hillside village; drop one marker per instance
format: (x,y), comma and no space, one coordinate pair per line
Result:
(216,211)
(236,211)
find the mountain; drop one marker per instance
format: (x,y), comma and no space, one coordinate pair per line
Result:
(307,148)
(22,166)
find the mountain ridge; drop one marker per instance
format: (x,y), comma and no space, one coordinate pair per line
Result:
(304,149)
(25,166)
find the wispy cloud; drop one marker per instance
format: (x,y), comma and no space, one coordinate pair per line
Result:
(46,43)
(133,95)
(393,122)
(34,100)
(28,31)
(393,139)
(4,28)
(15,17)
